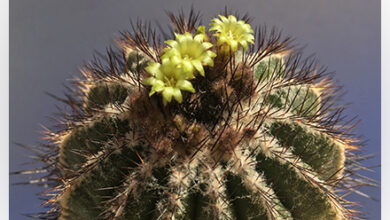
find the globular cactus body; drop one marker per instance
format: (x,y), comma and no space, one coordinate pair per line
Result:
(257,137)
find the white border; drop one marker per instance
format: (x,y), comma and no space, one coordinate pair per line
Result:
(4,112)
(385,100)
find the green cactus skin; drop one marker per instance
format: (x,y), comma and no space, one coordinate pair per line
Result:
(260,139)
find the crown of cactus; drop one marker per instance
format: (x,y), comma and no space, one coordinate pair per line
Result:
(257,136)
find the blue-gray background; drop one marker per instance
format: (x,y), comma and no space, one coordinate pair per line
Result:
(50,39)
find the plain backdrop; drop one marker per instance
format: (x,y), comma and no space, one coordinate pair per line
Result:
(50,40)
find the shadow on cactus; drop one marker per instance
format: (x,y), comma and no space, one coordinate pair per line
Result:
(218,121)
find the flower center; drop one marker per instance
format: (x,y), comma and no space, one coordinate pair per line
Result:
(190,50)
(231,35)
(169,81)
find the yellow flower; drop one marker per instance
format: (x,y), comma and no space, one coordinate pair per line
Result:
(189,52)
(231,32)
(169,80)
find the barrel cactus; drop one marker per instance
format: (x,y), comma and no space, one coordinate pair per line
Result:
(216,122)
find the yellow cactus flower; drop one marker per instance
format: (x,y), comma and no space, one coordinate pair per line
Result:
(232,33)
(189,52)
(169,80)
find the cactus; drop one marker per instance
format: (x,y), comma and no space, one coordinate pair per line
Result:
(215,123)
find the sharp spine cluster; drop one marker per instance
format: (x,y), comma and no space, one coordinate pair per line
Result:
(257,136)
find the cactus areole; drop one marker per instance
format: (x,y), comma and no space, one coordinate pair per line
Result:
(215,122)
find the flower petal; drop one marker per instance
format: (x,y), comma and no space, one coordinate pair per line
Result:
(198,66)
(233,45)
(223,18)
(201,29)
(185,85)
(177,95)
(153,68)
(149,81)
(232,18)
(221,40)
(207,45)
(244,44)
(171,43)
(167,94)
(208,61)
(199,37)
(187,66)
(158,85)
(211,54)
